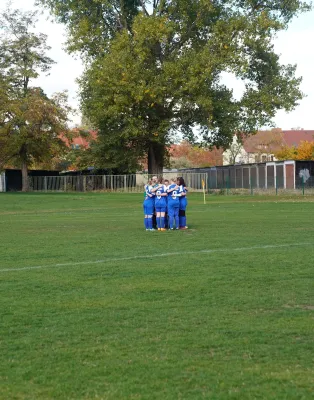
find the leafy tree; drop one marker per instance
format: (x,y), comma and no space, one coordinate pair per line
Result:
(233,151)
(153,69)
(91,154)
(22,52)
(186,155)
(30,122)
(305,151)
(102,155)
(286,153)
(31,129)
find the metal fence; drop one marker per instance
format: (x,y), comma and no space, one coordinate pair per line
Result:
(111,183)
(270,177)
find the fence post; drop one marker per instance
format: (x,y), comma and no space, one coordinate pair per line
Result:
(84,183)
(251,185)
(65,184)
(276,185)
(125,183)
(303,184)
(45,183)
(227,184)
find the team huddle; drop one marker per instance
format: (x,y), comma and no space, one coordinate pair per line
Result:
(165,204)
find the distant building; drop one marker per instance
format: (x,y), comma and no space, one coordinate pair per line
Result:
(262,146)
(81,139)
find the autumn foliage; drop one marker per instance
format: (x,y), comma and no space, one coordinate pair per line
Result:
(185,155)
(305,151)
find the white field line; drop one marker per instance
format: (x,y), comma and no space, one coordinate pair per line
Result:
(207,251)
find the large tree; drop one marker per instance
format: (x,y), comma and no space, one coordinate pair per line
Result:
(155,68)
(30,122)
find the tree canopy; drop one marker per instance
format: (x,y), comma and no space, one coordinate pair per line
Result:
(154,69)
(30,122)
(305,151)
(185,155)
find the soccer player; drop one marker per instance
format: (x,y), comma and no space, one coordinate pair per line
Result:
(154,185)
(160,204)
(173,204)
(166,186)
(183,202)
(148,206)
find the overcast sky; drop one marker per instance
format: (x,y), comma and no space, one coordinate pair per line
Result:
(294,45)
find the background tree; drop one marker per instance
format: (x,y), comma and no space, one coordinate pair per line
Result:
(234,150)
(31,130)
(30,122)
(186,155)
(305,151)
(153,69)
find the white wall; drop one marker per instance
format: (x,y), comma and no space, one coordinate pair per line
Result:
(2,182)
(243,157)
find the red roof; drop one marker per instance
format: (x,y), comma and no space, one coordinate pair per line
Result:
(273,140)
(82,141)
(293,138)
(268,141)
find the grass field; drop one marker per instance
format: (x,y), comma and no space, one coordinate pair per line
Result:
(94,307)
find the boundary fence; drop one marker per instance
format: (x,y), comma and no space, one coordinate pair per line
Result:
(135,184)
(111,183)
(266,178)
(270,177)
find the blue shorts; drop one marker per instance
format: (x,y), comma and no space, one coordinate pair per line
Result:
(161,209)
(173,211)
(183,204)
(148,208)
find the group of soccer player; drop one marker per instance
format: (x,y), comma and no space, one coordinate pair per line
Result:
(165,204)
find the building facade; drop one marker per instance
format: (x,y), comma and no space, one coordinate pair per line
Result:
(263,146)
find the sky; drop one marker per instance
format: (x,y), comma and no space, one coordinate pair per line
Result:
(294,46)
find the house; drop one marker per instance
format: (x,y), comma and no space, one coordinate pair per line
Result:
(79,139)
(262,146)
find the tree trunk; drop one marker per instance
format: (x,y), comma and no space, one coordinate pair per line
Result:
(156,152)
(25,182)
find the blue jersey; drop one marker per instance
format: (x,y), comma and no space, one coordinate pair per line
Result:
(148,195)
(160,201)
(173,197)
(165,191)
(183,199)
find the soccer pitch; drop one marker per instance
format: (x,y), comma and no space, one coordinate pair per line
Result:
(95,307)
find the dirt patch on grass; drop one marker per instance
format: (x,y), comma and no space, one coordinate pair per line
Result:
(300,306)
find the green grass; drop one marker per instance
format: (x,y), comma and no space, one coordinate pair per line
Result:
(235,322)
